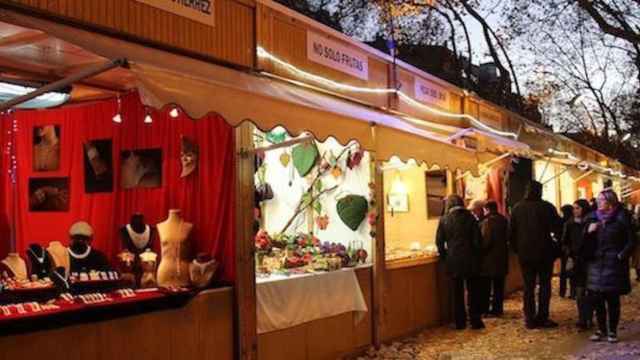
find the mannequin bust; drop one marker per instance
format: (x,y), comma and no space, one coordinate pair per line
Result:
(202,269)
(59,255)
(83,258)
(174,264)
(136,235)
(148,261)
(18,267)
(126,260)
(41,262)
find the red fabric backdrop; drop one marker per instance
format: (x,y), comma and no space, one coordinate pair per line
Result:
(206,197)
(495,187)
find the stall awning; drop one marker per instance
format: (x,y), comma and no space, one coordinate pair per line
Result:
(200,87)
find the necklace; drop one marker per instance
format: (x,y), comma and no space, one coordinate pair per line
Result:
(63,279)
(40,259)
(79,256)
(140,241)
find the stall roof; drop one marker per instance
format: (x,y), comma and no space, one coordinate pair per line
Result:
(199,88)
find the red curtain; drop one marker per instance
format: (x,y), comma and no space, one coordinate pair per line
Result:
(495,187)
(206,198)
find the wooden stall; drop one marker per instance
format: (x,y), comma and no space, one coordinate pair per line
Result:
(203,328)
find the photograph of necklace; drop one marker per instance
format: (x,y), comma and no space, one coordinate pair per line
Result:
(140,241)
(80,256)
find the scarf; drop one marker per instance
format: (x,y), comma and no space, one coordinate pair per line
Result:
(605,216)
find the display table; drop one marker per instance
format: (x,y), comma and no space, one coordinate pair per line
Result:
(287,301)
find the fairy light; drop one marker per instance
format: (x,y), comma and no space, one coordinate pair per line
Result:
(148,119)
(117,118)
(174,113)
(262,53)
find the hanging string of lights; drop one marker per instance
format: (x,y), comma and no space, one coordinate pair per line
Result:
(262,53)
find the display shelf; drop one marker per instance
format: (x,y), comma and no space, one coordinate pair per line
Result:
(69,313)
(281,277)
(409,261)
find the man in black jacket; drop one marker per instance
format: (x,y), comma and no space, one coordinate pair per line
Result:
(533,220)
(495,262)
(458,239)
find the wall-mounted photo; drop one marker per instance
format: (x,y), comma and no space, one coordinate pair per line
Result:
(46,148)
(141,168)
(49,194)
(98,166)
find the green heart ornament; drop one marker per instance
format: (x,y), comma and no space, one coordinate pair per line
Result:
(352,210)
(304,158)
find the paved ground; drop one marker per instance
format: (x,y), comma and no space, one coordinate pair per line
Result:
(506,338)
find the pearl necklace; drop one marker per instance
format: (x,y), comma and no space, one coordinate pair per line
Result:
(80,256)
(140,241)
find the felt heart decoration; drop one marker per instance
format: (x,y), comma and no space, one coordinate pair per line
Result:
(352,210)
(304,158)
(276,138)
(284,159)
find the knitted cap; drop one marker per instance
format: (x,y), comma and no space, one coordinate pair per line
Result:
(81,228)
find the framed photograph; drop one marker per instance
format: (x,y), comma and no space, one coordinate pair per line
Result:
(49,194)
(98,166)
(398,203)
(46,148)
(141,168)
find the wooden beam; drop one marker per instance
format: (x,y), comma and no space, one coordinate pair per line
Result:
(245,287)
(22,38)
(379,264)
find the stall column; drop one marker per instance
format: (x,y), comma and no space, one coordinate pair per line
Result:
(245,286)
(378,252)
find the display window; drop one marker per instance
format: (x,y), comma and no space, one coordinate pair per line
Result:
(414,202)
(315,205)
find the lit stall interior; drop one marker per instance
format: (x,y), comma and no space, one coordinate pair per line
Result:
(414,201)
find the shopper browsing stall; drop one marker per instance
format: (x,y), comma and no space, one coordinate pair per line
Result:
(495,262)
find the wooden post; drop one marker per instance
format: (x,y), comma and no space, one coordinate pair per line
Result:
(245,287)
(378,256)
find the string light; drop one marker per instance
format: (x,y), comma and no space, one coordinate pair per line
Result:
(117,118)
(174,112)
(261,52)
(148,119)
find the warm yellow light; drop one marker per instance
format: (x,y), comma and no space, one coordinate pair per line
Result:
(398,186)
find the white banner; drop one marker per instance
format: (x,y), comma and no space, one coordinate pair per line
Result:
(331,54)
(431,93)
(197,10)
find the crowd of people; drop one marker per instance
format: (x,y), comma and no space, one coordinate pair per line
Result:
(595,242)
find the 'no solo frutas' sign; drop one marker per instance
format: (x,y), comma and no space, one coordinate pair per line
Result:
(331,54)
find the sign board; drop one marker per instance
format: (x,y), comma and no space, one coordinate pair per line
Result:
(330,53)
(430,93)
(197,10)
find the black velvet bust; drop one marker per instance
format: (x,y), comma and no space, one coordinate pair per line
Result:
(138,226)
(40,261)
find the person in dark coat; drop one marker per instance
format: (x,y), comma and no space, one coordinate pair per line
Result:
(458,239)
(612,233)
(495,262)
(533,221)
(567,215)
(573,240)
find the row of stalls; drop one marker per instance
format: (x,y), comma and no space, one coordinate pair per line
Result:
(311,188)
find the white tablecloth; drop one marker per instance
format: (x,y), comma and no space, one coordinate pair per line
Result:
(289,301)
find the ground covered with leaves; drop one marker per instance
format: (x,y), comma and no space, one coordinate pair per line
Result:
(507,338)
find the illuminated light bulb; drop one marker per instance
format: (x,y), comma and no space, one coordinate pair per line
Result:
(174,113)
(148,119)
(117,119)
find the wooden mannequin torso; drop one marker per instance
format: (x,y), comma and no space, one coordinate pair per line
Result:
(174,264)
(59,254)
(17,265)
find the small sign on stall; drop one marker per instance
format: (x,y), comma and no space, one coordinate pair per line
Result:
(197,10)
(330,53)
(430,93)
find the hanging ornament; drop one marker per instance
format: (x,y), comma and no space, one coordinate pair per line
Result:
(285,158)
(355,159)
(304,157)
(352,209)
(336,172)
(322,222)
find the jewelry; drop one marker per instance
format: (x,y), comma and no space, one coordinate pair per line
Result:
(64,281)
(67,297)
(40,259)
(79,256)
(84,276)
(6,311)
(140,241)
(21,309)
(35,307)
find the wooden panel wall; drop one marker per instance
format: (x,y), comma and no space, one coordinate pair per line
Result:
(230,40)
(325,339)
(203,329)
(286,38)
